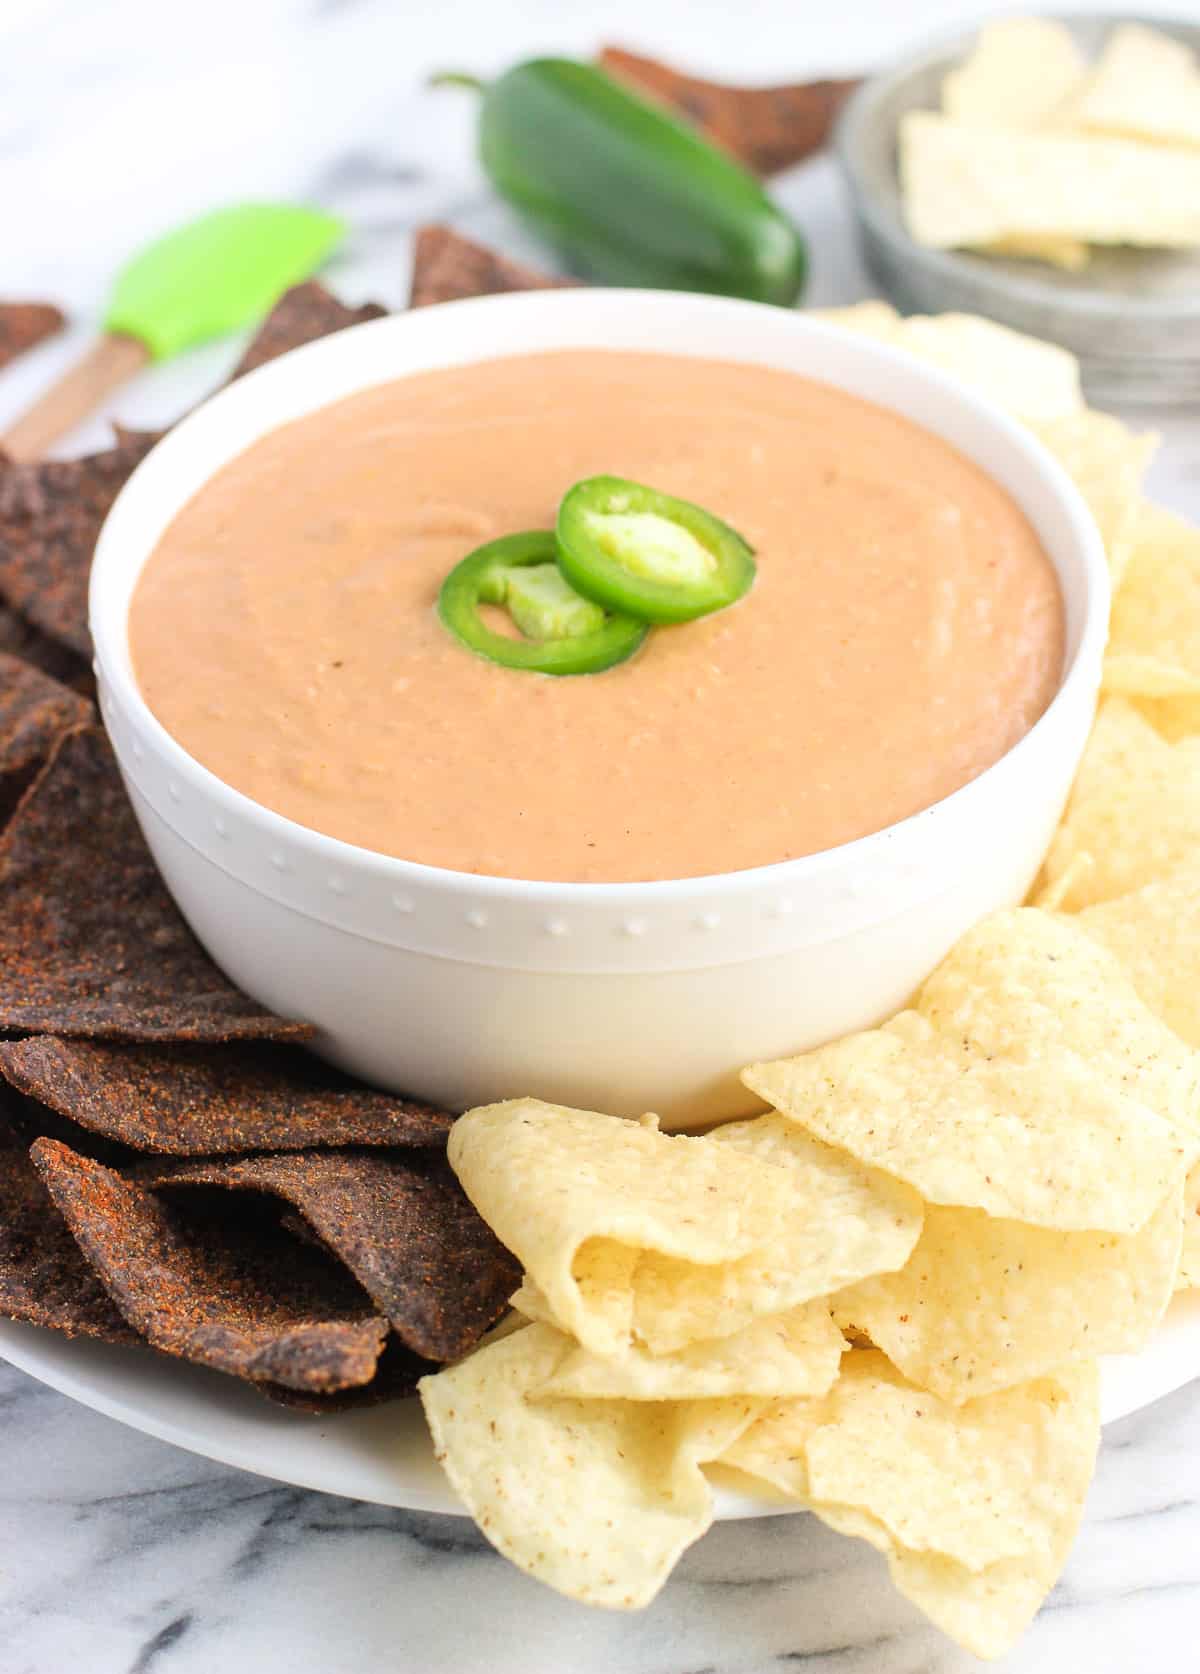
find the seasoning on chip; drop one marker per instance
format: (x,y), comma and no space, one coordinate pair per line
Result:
(50,516)
(44,1279)
(222,1289)
(35,711)
(793,1353)
(767,128)
(92,943)
(23,325)
(400,1224)
(1134,811)
(205,1100)
(580,1197)
(596,1498)
(447,266)
(1029,1082)
(301,315)
(975,1506)
(984,1303)
(844,1221)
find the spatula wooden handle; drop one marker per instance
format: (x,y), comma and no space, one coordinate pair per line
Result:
(75,397)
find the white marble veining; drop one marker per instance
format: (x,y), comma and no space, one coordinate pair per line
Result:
(118,1554)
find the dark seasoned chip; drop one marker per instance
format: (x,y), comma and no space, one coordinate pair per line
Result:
(25,324)
(301,315)
(401,1224)
(90,941)
(50,515)
(191,1101)
(767,128)
(35,711)
(447,267)
(213,1282)
(44,1280)
(396,1376)
(19,638)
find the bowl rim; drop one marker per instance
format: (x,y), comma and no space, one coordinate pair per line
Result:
(114,669)
(943,47)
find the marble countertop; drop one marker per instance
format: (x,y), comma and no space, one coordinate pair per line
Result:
(119,1554)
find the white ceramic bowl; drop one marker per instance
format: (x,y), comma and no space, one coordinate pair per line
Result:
(623,997)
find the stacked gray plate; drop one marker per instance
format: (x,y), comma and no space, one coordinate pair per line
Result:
(1132,317)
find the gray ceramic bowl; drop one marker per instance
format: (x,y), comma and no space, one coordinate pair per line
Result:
(1133,317)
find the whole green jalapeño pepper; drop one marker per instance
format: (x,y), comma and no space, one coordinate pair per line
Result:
(564,633)
(628,193)
(632,549)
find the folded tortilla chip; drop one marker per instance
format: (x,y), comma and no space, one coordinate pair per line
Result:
(400,1224)
(843,1219)
(226,1290)
(596,1498)
(1030,1082)
(563,1188)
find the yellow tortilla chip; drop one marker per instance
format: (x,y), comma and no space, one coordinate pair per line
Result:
(1071,254)
(966,185)
(1154,640)
(1172,718)
(983,1304)
(846,1222)
(869,319)
(1029,1082)
(846,1218)
(975,1506)
(1107,462)
(1145,85)
(1134,809)
(1018,74)
(795,1353)
(595,1498)
(1155,933)
(1189,1256)
(1036,382)
(578,1195)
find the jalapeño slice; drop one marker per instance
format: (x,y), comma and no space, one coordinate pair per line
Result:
(564,632)
(634,550)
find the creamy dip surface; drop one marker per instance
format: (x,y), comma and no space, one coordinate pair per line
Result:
(904,631)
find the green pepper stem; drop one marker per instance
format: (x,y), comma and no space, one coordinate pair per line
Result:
(456,78)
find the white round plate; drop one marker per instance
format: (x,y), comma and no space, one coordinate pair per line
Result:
(382,1454)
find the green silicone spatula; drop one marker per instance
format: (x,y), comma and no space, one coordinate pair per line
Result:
(199,281)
